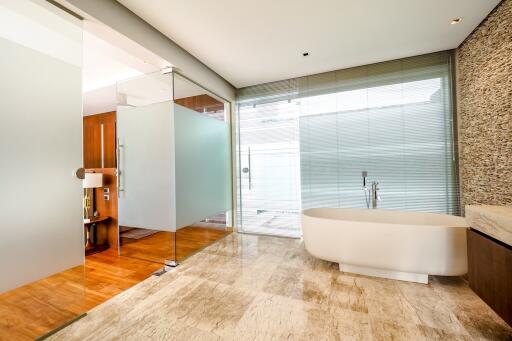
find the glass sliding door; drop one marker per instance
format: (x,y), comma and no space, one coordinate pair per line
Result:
(41,233)
(269,163)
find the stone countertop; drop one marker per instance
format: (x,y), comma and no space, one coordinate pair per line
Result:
(494,221)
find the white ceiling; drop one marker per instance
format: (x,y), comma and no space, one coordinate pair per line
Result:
(105,64)
(108,58)
(253,42)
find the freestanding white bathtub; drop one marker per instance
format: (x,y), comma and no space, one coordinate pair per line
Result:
(399,245)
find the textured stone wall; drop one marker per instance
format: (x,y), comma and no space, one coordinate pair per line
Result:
(484,99)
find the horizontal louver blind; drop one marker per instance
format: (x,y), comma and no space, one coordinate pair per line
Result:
(398,127)
(392,119)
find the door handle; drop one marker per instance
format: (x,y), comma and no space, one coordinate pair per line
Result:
(79,173)
(249,167)
(102,141)
(120,183)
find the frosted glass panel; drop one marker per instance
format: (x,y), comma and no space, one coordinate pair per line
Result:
(41,232)
(145,162)
(203,175)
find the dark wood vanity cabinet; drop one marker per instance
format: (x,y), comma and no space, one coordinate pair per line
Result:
(490,272)
(99,140)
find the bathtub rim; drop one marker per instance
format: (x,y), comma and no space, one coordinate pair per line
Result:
(457,221)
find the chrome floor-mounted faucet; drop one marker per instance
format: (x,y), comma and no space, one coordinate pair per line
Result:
(373,195)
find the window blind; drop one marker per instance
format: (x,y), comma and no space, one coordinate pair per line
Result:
(393,119)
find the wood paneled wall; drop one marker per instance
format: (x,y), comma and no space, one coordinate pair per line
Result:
(107,232)
(92,140)
(201,103)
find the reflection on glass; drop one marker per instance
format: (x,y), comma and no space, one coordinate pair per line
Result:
(194,237)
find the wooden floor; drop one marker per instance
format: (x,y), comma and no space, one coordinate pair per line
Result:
(39,307)
(179,245)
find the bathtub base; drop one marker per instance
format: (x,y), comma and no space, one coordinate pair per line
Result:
(389,274)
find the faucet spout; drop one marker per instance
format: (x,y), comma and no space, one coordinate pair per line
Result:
(375,194)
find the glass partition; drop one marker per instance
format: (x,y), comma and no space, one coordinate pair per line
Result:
(146,168)
(305,142)
(174,167)
(41,233)
(203,167)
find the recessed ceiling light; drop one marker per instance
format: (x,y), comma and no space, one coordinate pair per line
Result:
(305,54)
(456,21)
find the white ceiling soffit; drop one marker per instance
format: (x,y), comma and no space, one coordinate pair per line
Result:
(253,42)
(110,57)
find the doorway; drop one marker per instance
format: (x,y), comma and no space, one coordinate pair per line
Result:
(269,169)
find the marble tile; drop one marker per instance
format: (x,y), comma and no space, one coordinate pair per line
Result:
(430,333)
(495,221)
(262,288)
(273,317)
(159,329)
(391,308)
(429,308)
(211,307)
(308,286)
(298,257)
(217,268)
(237,246)
(349,325)
(373,286)
(471,312)
(389,330)
(347,293)
(256,276)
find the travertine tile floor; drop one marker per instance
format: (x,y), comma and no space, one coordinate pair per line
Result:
(248,287)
